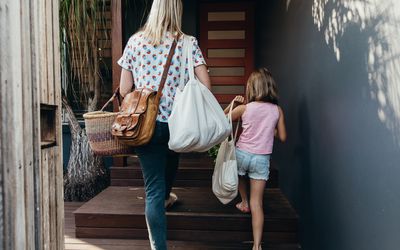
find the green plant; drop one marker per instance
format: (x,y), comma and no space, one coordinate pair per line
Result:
(213,152)
(79,30)
(81,25)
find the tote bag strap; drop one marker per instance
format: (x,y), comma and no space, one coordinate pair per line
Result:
(183,62)
(190,60)
(187,61)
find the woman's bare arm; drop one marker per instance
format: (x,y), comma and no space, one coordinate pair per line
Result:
(126,82)
(203,76)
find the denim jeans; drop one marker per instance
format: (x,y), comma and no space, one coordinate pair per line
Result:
(256,166)
(159,166)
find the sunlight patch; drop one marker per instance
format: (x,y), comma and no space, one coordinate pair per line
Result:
(380,20)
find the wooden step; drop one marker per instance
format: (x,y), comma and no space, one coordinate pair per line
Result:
(186,177)
(195,170)
(118,212)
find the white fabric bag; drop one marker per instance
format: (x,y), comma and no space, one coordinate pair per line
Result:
(197,122)
(225,180)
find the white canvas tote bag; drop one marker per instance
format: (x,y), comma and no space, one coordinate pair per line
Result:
(225,180)
(197,122)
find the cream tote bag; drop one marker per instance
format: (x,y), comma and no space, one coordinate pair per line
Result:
(197,122)
(225,180)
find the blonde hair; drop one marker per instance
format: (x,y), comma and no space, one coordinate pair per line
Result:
(165,15)
(261,87)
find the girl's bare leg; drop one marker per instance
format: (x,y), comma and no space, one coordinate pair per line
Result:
(257,212)
(244,205)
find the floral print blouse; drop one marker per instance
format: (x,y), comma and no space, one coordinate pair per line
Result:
(146,62)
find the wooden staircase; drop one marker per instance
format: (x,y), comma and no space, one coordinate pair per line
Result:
(198,217)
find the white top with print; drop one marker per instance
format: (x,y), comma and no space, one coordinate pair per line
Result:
(146,62)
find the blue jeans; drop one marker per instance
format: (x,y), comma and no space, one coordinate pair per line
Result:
(159,166)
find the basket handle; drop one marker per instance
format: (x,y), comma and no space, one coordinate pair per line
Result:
(116,94)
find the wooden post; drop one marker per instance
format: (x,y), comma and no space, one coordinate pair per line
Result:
(31,180)
(117,7)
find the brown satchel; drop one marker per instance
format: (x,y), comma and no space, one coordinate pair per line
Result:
(135,123)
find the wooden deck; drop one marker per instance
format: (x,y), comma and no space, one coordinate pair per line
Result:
(73,243)
(115,219)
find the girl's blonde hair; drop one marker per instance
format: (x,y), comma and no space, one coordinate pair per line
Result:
(165,15)
(261,87)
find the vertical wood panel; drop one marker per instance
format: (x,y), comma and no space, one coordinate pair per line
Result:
(31,200)
(45,199)
(117,43)
(35,109)
(52,198)
(43,51)
(50,52)
(12,55)
(59,185)
(56,59)
(59,182)
(117,49)
(28,120)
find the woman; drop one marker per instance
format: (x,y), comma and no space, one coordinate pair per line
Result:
(142,65)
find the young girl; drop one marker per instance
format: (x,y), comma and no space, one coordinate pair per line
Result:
(261,119)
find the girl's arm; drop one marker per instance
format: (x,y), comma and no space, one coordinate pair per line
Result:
(238,112)
(238,100)
(281,128)
(126,82)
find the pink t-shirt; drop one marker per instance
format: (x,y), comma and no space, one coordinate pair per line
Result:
(259,123)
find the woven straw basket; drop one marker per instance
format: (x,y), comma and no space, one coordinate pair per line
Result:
(98,129)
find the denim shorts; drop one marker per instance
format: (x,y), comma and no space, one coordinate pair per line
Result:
(254,165)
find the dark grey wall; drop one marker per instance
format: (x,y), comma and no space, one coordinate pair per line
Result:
(341,165)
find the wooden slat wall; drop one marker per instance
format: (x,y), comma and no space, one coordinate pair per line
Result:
(31,180)
(117,7)
(228,28)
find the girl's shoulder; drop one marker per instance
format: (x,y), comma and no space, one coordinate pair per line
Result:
(262,104)
(265,106)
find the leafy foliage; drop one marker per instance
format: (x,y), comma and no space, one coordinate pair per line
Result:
(213,152)
(80,26)
(79,20)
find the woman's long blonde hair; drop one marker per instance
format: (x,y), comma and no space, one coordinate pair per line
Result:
(165,15)
(261,87)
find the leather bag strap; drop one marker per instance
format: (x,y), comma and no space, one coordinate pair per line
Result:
(166,68)
(115,95)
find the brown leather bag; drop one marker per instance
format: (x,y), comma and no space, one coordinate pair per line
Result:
(135,123)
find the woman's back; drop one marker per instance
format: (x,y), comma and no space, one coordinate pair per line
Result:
(146,62)
(259,123)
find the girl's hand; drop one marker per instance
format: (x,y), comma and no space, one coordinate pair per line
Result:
(238,99)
